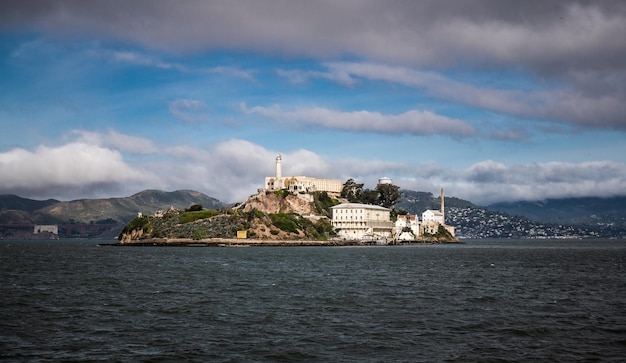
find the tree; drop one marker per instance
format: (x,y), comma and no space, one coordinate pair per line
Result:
(388,195)
(352,191)
(194,208)
(323,202)
(370,197)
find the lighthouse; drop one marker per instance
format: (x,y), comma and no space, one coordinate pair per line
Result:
(279,166)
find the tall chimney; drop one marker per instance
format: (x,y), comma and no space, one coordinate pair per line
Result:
(279,171)
(442,210)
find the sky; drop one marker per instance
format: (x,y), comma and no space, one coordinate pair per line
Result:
(491,100)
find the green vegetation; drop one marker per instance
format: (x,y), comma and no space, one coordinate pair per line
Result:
(385,195)
(200,233)
(191,216)
(292,223)
(388,195)
(106,221)
(283,193)
(286,222)
(442,234)
(197,223)
(352,191)
(194,208)
(143,223)
(323,229)
(323,202)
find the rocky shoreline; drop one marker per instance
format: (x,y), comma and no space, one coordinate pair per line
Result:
(234,242)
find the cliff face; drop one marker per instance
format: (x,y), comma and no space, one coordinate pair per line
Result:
(270,203)
(135,234)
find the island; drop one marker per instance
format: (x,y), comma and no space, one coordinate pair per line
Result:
(294,211)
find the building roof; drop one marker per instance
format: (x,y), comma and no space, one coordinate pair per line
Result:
(434,211)
(359,206)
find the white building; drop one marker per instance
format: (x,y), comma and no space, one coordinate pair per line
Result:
(433,215)
(51,228)
(432,219)
(298,184)
(407,227)
(361,221)
(431,226)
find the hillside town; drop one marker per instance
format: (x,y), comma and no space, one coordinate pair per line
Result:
(479,223)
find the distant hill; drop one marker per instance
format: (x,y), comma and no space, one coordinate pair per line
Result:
(14,202)
(106,216)
(588,211)
(16,217)
(125,209)
(417,202)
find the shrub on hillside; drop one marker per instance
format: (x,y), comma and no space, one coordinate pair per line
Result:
(285,222)
(188,217)
(194,208)
(142,223)
(283,193)
(323,202)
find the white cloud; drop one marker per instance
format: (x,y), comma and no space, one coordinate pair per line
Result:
(559,105)
(75,169)
(189,110)
(117,141)
(140,59)
(234,169)
(565,105)
(491,181)
(145,60)
(413,122)
(296,76)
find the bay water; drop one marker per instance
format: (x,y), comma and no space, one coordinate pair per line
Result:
(480,301)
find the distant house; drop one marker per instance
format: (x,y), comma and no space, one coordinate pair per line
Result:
(433,215)
(431,220)
(407,227)
(361,221)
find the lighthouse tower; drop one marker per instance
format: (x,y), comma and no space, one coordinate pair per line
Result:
(279,167)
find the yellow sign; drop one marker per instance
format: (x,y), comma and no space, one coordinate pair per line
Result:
(242,234)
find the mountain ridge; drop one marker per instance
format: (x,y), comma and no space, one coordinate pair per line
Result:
(582,211)
(113,213)
(15,202)
(123,209)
